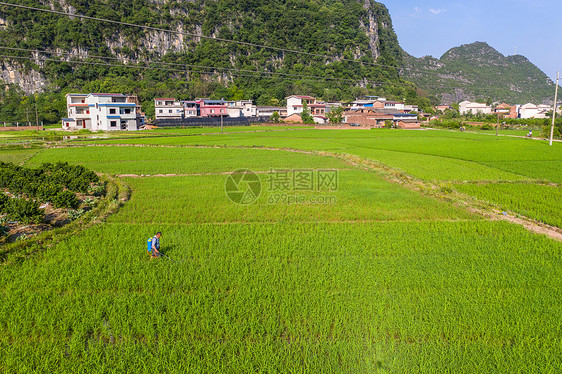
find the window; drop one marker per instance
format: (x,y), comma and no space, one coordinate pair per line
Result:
(160,111)
(169,110)
(127,111)
(212,111)
(111,110)
(113,123)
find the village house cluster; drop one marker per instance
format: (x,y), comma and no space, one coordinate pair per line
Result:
(526,111)
(107,112)
(370,111)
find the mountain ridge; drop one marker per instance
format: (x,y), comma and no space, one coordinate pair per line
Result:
(478,71)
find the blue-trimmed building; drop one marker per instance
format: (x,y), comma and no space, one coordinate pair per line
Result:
(102,112)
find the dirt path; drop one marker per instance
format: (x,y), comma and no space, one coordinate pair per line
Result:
(201,174)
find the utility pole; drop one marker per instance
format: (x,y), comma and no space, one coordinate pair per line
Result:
(221,122)
(498,124)
(554,109)
(36,113)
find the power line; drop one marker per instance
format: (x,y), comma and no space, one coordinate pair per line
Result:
(172,70)
(183,33)
(238,43)
(181,65)
(258,74)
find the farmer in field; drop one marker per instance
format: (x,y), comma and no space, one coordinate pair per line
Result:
(155,245)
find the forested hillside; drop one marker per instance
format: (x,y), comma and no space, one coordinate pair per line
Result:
(477,72)
(344,30)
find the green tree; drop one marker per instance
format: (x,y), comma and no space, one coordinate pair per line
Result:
(335,115)
(305,115)
(275,118)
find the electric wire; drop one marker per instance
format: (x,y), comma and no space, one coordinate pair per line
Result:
(184,33)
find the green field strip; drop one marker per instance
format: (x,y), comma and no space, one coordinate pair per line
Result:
(18,155)
(183,160)
(283,297)
(361,195)
(539,202)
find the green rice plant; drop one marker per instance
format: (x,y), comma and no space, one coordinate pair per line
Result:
(429,154)
(361,196)
(455,296)
(152,160)
(539,202)
(382,280)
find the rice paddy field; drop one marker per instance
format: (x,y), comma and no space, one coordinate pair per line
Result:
(374,277)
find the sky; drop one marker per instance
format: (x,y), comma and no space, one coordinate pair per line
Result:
(432,27)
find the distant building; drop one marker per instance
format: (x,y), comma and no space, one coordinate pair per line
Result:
(466,107)
(213,108)
(410,108)
(377,118)
(514,111)
(102,111)
(442,108)
(248,108)
(267,111)
(528,111)
(295,105)
(190,109)
(534,111)
(167,108)
(367,117)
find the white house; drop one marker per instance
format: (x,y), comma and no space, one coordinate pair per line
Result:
(167,108)
(394,105)
(248,108)
(474,108)
(295,103)
(267,111)
(528,110)
(234,111)
(543,110)
(101,111)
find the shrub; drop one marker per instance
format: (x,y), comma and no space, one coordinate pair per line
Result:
(4,200)
(26,211)
(80,184)
(66,199)
(48,191)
